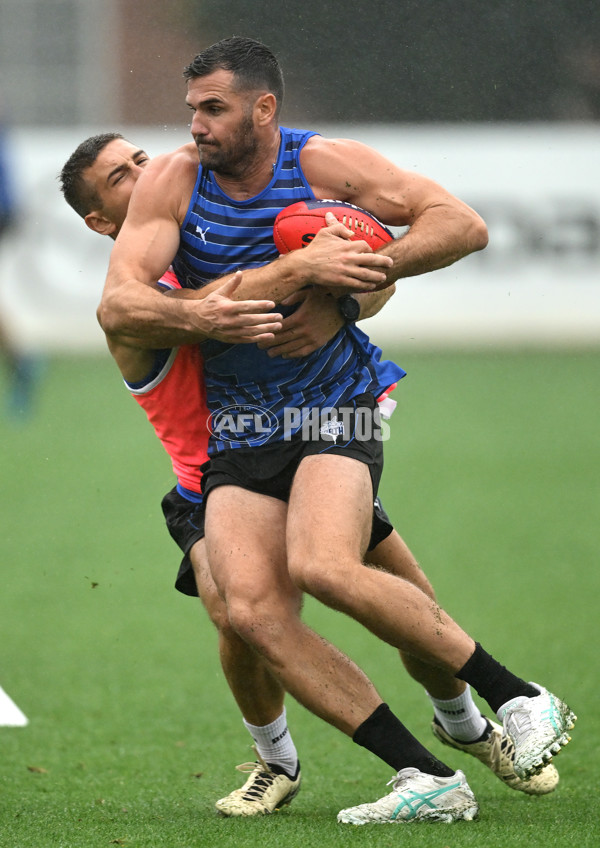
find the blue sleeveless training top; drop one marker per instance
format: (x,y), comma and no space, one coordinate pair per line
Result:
(254,394)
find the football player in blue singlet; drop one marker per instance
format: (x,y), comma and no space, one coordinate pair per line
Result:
(218,235)
(97,181)
(299,509)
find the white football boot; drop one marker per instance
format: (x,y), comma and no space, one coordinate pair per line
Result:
(538,729)
(497,752)
(417,796)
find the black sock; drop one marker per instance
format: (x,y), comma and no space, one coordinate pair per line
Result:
(495,683)
(385,736)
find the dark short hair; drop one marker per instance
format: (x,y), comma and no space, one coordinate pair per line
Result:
(77,192)
(253,65)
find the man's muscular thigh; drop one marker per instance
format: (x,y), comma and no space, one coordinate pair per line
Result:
(329,519)
(245,542)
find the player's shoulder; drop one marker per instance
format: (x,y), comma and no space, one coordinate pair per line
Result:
(319,145)
(183,159)
(167,182)
(332,165)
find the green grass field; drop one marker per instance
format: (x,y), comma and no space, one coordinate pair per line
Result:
(493,478)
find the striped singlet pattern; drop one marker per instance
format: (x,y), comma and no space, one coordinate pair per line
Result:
(219,235)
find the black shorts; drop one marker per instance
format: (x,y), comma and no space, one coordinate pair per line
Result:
(353,429)
(185,523)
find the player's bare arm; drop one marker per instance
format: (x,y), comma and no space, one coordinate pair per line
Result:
(226,320)
(132,309)
(317,319)
(443,229)
(133,363)
(214,312)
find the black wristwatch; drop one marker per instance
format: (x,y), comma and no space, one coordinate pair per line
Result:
(349,308)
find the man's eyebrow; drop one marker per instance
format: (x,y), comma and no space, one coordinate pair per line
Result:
(209,99)
(114,172)
(122,167)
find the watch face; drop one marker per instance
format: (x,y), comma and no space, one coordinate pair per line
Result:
(349,307)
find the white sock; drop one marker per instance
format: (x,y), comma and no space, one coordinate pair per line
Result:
(460,717)
(275,744)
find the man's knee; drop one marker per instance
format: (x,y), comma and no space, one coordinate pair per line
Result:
(325,577)
(394,556)
(217,612)
(261,621)
(208,592)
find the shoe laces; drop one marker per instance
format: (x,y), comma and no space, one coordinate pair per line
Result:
(521,718)
(263,779)
(401,778)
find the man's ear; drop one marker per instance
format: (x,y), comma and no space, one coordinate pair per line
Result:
(99,224)
(265,108)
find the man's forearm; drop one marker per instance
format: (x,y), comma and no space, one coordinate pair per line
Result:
(131,309)
(373,302)
(439,237)
(144,317)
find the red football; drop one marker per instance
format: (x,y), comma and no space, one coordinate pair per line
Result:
(297,225)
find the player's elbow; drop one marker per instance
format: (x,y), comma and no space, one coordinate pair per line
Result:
(479,236)
(110,316)
(104,317)
(99,315)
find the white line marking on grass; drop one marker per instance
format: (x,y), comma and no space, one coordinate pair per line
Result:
(10,714)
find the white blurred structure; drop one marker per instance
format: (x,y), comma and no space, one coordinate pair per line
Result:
(538,282)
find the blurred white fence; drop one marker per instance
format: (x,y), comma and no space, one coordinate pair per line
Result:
(538,282)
